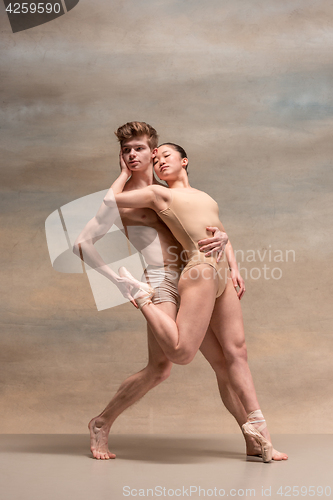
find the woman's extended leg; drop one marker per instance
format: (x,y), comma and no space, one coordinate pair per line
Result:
(181,340)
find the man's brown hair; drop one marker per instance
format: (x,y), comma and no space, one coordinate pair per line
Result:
(136,129)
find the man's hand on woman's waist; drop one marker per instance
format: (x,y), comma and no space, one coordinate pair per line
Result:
(215,244)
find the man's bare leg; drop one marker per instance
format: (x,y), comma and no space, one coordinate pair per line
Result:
(157,370)
(131,390)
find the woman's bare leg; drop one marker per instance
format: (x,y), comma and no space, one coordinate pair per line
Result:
(212,351)
(181,340)
(227,324)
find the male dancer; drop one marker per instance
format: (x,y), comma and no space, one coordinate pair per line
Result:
(140,141)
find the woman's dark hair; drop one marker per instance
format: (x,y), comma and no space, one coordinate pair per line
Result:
(180,150)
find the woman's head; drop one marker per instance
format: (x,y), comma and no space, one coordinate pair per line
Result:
(170,161)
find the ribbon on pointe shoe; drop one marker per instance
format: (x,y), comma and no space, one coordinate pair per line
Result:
(142,297)
(256,417)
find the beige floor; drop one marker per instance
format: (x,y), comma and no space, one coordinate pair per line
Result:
(53,467)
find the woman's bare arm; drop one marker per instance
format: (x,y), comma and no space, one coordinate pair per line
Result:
(206,246)
(139,198)
(234,271)
(154,197)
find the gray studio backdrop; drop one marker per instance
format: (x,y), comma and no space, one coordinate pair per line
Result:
(246,88)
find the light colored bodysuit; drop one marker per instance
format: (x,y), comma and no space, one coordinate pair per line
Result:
(163,270)
(164,280)
(187,217)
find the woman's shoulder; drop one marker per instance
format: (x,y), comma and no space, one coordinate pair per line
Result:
(162,194)
(199,192)
(160,190)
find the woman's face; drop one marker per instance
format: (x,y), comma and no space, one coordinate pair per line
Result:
(168,163)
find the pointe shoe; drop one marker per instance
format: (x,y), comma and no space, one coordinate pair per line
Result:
(250,430)
(145,292)
(142,297)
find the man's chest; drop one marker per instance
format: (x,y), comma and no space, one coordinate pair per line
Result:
(139,217)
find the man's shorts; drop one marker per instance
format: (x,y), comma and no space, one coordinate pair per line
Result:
(165,282)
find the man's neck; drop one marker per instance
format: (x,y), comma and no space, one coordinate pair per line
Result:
(141,179)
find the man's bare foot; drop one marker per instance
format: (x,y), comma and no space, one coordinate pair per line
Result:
(99,440)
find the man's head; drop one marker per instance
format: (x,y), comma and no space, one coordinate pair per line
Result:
(132,130)
(138,144)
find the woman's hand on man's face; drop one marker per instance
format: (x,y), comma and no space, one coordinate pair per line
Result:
(123,167)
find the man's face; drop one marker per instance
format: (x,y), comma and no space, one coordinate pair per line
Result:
(137,153)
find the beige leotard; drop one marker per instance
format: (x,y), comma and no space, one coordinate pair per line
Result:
(187,217)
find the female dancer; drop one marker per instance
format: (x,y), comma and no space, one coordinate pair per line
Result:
(208,297)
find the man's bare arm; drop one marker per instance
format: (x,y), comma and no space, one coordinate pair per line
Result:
(84,247)
(216,244)
(96,228)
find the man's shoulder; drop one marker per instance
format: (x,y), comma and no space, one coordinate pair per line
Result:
(129,186)
(156,188)
(158,182)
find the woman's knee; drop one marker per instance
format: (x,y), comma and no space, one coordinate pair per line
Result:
(235,352)
(184,356)
(220,368)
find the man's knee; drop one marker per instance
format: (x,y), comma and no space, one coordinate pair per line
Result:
(160,371)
